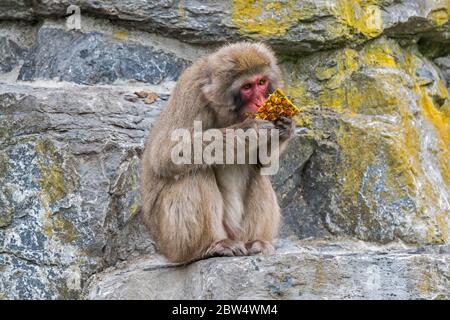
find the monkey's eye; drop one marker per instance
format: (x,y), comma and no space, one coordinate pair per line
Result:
(247,86)
(262,81)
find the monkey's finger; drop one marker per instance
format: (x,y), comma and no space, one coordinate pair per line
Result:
(282,126)
(285,121)
(240,250)
(265,124)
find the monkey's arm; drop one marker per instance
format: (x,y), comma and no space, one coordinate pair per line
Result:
(171,157)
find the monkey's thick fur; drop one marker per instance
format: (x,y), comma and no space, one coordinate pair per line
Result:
(196,210)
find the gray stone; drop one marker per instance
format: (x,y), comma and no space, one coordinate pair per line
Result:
(298,219)
(16,9)
(10,54)
(305,270)
(68,185)
(444,65)
(93,58)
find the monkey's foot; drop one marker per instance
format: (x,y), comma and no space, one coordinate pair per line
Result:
(259,246)
(226,248)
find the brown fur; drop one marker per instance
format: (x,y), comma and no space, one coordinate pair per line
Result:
(196,210)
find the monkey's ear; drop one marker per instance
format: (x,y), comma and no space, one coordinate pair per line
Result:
(209,87)
(205,79)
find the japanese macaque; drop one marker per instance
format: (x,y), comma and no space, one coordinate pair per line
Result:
(197,210)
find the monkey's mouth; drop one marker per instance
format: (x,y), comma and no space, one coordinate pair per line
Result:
(253,107)
(248,111)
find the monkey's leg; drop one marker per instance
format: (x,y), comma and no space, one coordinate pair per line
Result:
(188,217)
(261,218)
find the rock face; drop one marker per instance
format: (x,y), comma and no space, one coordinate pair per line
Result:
(307,270)
(378,118)
(10,54)
(370,159)
(69,162)
(444,64)
(91,58)
(290,25)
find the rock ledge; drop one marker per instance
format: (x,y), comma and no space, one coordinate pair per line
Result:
(302,270)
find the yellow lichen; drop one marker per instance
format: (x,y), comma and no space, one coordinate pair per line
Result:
(440,14)
(59,227)
(4,164)
(441,124)
(369,95)
(437,116)
(349,61)
(298,93)
(406,165)
(364,16)
(326,73)
(133,209)
(264,18)
(64,229)
(302,119)
(379,55)
(424,284)
(442,224)
(442,90)
(337,97)
(319,275)
(182,13)
(47,229)
(356,159)
(51,180)
(120,35)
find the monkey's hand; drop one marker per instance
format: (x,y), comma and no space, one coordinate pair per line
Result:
(286,127)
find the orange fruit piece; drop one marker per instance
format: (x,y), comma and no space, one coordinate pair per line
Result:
(275,106)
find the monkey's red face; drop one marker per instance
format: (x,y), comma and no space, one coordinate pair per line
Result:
(253,93)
